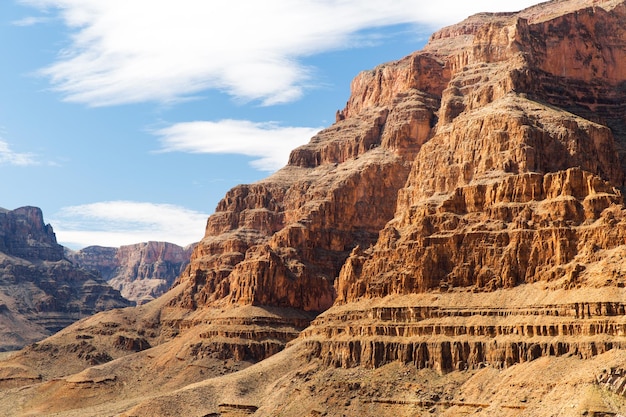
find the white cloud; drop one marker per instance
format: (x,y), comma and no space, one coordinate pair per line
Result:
(270,142)
(117,223)
(9,157)
(144,50)
(30,21)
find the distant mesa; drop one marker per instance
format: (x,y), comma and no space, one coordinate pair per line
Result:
(141,272)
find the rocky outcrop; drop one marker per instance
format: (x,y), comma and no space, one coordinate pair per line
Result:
(283,240)
(141,272)
(23,234)
(519,184)
(41,291)
(491,159)
(614,379)
(95,258)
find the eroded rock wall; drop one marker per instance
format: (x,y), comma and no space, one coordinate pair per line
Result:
(502,192)
(520,185)
(493,158)
(283,240)
(141,272)
(41,291)
(24,234)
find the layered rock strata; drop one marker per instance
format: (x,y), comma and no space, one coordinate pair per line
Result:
(515,177)
(283,240)
(141,272)
(518,184)
(457,331)
(42,292)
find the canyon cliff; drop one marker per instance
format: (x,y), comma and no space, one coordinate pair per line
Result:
(41,292)
(141,272)
(453,244)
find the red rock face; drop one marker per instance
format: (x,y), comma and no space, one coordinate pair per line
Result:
(517,191)
(496,130)
(505,190)
(141,272)
(283,240)
(491,159)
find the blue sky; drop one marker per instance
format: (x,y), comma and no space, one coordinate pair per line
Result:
(128,120)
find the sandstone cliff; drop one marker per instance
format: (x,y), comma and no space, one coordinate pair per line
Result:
(527,158)
(283,240)
(510,129)
(460,233)
(141,272)
(41,292)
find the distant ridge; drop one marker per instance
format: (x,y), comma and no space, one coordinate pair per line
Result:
(141,272)
(40,291)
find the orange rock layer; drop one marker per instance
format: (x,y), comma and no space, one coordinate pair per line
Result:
(440,333)
(493,158)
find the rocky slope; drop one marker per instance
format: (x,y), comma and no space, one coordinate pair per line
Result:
(141,272)
(40,291)
(459,234)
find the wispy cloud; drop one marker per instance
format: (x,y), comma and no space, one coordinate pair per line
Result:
(30,21)
(117,223)
(269,142)
(10,157)
(144,50)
